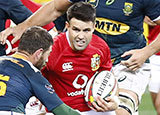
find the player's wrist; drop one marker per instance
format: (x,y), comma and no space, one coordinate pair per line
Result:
(64,109)
(116,99)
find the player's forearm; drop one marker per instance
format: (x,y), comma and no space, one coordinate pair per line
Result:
(153,48)
(157,22)
(42,16)
(47,13)
(63,109)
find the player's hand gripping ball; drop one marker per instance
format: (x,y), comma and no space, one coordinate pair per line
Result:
(102,84)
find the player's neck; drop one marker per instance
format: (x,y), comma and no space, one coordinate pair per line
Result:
(22,55)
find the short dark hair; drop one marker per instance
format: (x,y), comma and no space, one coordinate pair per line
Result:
(35,38)
(82,11)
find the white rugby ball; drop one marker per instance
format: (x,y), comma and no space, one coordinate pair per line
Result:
(101,84)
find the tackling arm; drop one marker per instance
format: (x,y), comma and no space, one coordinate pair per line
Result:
(47,13)
(154,47)
(41,17)
(63,109)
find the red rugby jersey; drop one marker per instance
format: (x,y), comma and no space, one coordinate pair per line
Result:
(153,33)
(69,71)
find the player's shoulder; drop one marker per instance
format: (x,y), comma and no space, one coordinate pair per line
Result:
(96,40)
(7,5)
(18,64)
(60,42)
(60,37)
(23,65)
(4,60)
(29,70)
(13,2)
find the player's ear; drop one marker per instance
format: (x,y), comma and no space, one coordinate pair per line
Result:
(94,26)
(67,24)
(38,54)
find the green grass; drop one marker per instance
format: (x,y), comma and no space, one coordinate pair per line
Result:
(146,106)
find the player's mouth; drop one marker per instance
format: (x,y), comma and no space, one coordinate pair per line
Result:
(80,43)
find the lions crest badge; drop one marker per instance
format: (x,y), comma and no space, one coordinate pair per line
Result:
(95,62)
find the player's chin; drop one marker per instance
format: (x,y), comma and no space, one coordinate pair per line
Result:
(41,66)
(80,48)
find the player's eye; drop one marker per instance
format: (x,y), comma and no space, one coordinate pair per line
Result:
(87,30)
(76,29)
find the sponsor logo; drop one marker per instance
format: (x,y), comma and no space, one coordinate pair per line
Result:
(104,83)
(81,92)
(79,85)
(107,26)
(122,78)
(95,62)
(109,2)
(49,88)
(67,66)
(128,8)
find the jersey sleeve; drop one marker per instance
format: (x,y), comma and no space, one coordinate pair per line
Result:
(106,63)
(152,8)
(17,11)
(107,58)
(43,90)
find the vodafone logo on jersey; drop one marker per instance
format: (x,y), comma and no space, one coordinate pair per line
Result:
(67,66)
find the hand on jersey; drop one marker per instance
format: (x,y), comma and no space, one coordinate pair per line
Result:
(15,31)
(137,59)
(10,49)
(102,106)
(149,21)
